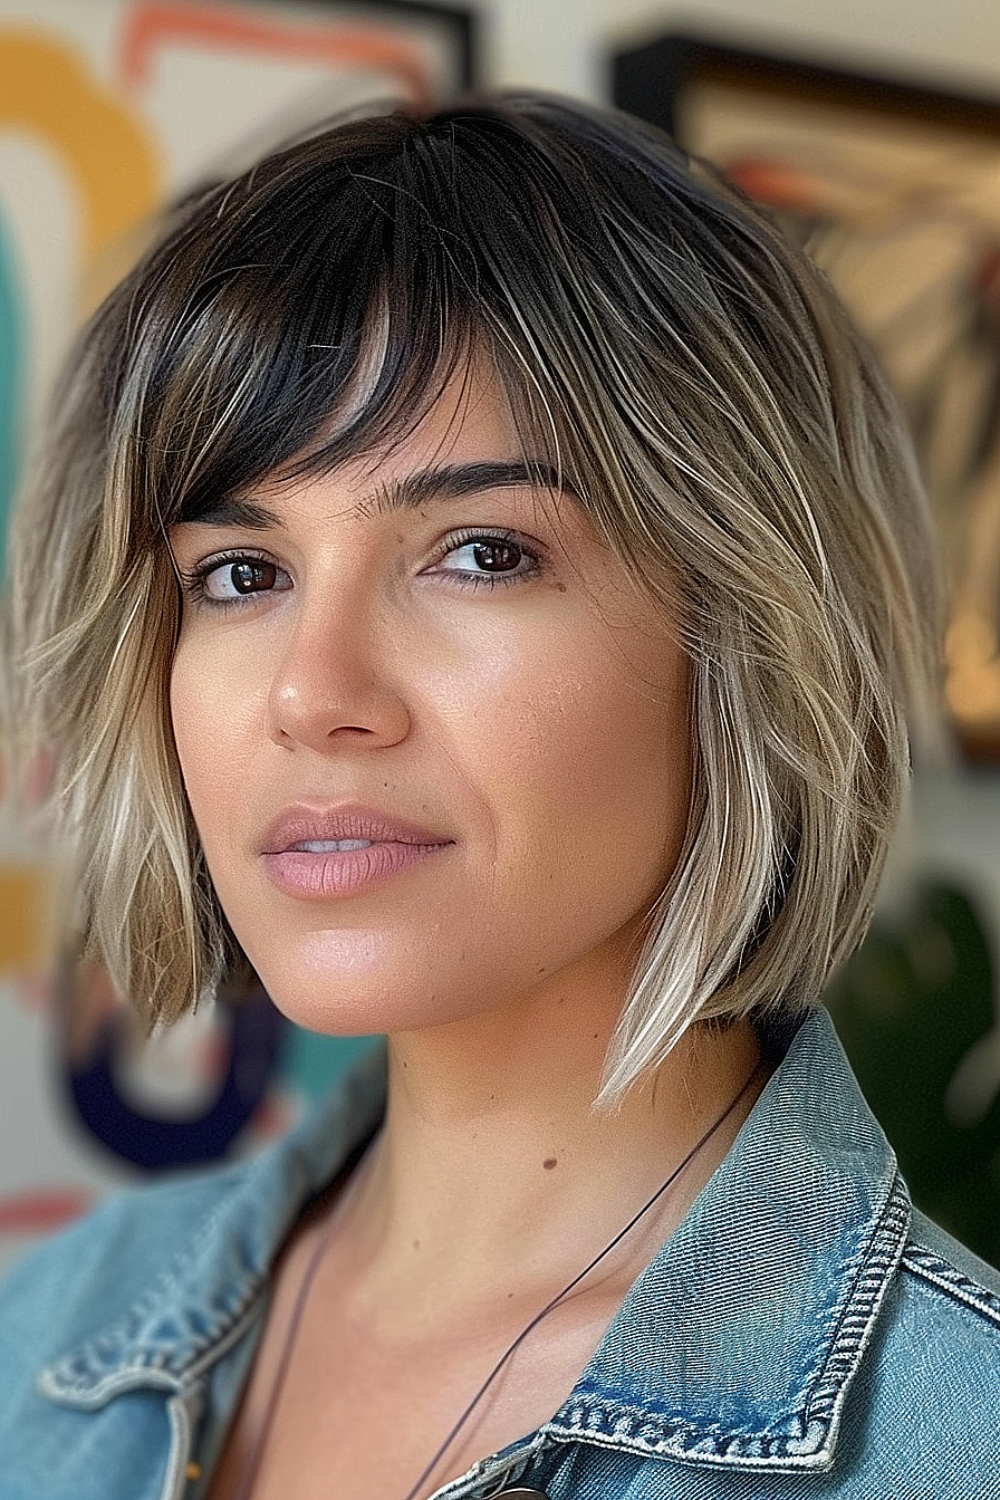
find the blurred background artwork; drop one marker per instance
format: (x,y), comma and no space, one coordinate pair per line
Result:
(895,191)
(109,106)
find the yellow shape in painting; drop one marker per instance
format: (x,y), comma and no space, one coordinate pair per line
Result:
(25,917)
(46,88)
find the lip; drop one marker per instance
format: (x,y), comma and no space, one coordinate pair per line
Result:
(304,823)
(396,844)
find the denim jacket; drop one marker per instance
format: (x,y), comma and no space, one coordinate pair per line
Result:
(802,1335)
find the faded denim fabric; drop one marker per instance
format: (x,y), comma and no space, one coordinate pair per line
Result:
(803,1335)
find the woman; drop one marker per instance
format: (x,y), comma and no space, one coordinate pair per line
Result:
(476,589)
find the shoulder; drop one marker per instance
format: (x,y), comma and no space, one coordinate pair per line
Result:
(93,1314)
(947,1305)
(195,1232)
(934,1258)
(156,1275)
(926,1399)
(66,1289)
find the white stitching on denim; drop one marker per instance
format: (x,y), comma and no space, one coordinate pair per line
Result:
(884,1253)
(929,1266)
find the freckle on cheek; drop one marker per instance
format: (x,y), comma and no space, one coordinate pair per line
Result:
(549,1163)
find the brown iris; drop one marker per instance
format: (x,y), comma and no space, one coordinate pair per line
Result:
(497,556)
(249,576)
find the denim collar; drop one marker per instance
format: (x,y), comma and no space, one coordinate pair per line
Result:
(736,1346)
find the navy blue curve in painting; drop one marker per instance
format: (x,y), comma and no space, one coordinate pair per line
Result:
(256,1029)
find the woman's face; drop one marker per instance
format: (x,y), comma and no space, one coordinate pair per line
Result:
(427,640)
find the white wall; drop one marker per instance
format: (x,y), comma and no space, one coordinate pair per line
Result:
(561,44)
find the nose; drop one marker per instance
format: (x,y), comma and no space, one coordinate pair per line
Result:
(336,679)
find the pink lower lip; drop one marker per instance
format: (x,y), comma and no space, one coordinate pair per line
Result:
(323,875)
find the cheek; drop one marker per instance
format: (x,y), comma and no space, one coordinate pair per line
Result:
(625,781)
(590,768)
(211,722)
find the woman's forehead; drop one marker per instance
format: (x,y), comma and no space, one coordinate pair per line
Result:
(464,419)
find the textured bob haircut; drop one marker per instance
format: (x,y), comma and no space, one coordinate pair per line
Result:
(690,374)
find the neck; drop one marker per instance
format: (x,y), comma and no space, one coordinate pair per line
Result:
(493,1155)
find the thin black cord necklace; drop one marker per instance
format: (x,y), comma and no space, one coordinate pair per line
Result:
(253,1466)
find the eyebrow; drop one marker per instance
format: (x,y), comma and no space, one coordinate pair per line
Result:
(410,492)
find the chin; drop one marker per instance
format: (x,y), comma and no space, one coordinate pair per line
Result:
(356,993)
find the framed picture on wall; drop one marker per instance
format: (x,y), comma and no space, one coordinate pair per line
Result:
(895,192)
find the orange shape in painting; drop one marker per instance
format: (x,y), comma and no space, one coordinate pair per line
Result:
(47,89)
(147,26)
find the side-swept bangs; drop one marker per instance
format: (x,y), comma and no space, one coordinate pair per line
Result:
(660,345)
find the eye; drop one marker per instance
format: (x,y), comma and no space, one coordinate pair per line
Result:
(488,558)
(227,580)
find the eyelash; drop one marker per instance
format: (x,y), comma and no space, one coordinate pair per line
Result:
(194,583)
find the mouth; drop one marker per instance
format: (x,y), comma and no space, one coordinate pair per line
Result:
(320,853)
(342,828)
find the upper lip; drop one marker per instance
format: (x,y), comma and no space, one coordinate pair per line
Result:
(305,823)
